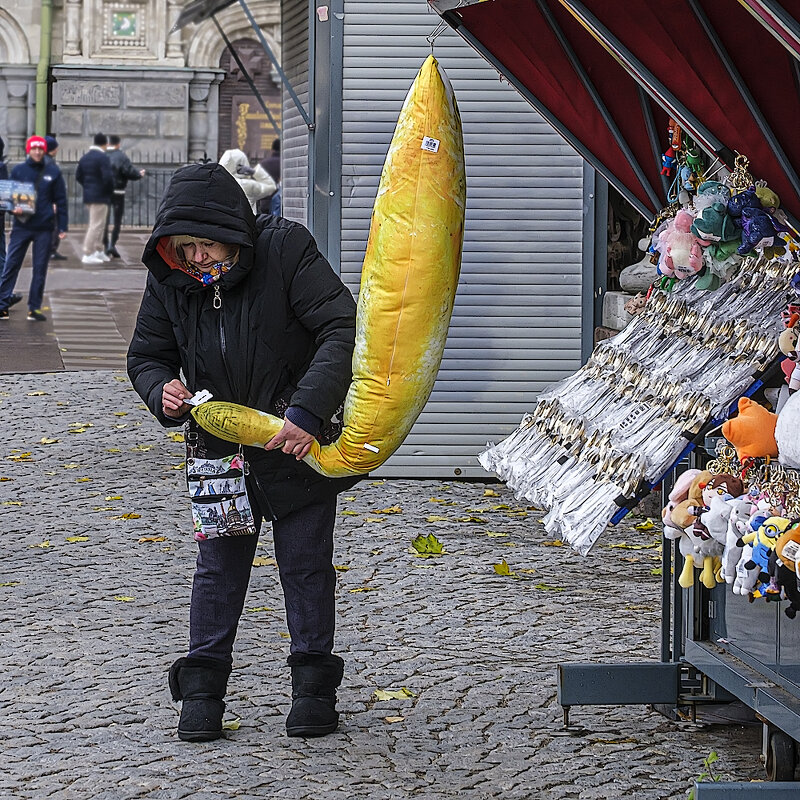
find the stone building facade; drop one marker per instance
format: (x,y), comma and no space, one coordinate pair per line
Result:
(115,67)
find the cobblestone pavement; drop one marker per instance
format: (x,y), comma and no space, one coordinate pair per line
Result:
(94,589)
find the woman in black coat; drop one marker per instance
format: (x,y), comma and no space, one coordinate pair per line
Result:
(250,310)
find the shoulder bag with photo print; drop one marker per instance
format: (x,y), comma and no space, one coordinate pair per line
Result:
(220,506)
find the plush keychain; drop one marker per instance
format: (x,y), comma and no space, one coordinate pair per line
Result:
(681,254)
(680,494)
(738,517)
(786,431)
(752,432)
(668,161)
(787,569)
(763,541)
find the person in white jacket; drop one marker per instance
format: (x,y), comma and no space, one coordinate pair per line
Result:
(256,182)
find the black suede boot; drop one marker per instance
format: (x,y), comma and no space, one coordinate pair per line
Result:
(200,683)
(314,683)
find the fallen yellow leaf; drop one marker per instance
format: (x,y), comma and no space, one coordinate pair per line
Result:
(495,534)
(263,561)
(43,545)
(349,513)
(10,583)
(490,493)
(434,518)
(128,515)
(114,497)
(82,480)
(124,598)
(141,448)
(45,440)
(176,437)
(231,724)
(393,719)
(341,567)
(77,538)
(120,413)
(363,589)
(37,394)
(349,497)
(393,694)
(502,568)
(554,543)
(376,519)
(259,608)
(647,525)
(390,510)
(144,539)
(113,450)
(70,466)
(12,502)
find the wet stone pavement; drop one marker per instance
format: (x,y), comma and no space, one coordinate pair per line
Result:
(94,588)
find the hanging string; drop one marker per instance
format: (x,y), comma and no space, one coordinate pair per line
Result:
(437,31)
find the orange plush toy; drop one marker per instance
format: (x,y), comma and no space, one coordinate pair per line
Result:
(752,432)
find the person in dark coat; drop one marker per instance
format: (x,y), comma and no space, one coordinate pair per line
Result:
(3,177)
(93,173)
(55,239)
(50,210)
(272,164)
(123,171)
(250,310)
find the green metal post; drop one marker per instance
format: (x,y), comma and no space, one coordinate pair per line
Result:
(43,68)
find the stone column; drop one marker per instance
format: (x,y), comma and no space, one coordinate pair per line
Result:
(72,28)
(20,95)
(174,43)
(200,126)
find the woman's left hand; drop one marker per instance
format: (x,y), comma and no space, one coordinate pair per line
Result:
(292,440)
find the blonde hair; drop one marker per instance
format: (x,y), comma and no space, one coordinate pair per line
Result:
(175,244)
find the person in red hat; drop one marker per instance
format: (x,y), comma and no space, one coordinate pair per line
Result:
(50,211)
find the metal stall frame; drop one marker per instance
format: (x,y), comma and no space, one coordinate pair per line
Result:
(693,669)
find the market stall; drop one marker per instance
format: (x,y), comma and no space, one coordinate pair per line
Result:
(667,102)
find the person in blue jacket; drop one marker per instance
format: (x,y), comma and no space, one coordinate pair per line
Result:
(50,210)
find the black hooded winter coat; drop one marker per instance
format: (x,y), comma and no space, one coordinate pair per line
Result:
(278,329)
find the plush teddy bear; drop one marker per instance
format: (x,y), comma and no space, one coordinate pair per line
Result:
(738,518)
(769,200)
(707,537)
(786,432)
(758,232)
(746,199)
(681,254)
(752,432)
(681,515)
(680,493)
(715,225)
(710,192)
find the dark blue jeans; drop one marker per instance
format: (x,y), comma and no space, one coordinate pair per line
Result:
(304,552)
(17,247)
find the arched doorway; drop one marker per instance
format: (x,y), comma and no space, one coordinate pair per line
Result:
(242,122)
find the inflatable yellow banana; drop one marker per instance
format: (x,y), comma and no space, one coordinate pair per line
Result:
(408,285)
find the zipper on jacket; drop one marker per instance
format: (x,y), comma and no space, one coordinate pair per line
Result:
(217,302)
(263,496)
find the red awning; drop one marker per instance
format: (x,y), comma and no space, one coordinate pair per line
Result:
(609,74)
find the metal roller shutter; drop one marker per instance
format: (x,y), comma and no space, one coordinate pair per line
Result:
(294,138)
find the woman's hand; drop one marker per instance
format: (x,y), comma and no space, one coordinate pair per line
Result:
(172,396)
(292,439)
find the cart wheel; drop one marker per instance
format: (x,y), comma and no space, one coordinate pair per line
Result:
(781,757)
